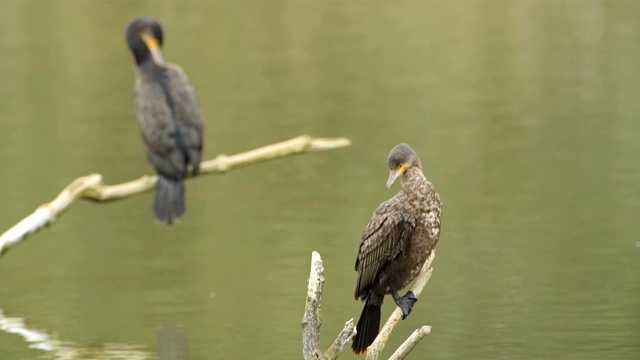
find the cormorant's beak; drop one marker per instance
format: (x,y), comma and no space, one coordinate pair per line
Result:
(154,47)
(395,174)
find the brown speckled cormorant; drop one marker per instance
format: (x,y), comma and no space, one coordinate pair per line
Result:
(168,115)
(396,243)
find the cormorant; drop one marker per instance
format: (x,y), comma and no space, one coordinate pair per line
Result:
(395,244)
(168,115)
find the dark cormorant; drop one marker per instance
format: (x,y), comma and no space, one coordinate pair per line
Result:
(168,115)
(396,243)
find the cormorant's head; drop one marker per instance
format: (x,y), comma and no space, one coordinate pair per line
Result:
(400,159)
(144,37)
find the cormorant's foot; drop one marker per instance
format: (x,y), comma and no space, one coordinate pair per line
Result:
(405,303)
(411,296)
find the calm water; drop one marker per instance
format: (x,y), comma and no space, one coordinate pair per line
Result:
(526,115)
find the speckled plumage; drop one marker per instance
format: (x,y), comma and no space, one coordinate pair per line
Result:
(397,241)
(168,115)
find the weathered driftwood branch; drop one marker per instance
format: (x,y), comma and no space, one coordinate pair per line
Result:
(410,343)
(91,187)
(312,320)
(344,338)
(375,350)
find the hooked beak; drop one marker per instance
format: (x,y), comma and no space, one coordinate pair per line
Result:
(154,47)
(395,174)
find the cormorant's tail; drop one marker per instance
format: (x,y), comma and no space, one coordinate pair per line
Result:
(169,202)
(368,328)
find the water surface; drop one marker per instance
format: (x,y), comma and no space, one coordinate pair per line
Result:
(525,115)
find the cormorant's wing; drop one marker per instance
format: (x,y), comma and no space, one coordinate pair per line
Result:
(385,237)
(187,112)
(157,128)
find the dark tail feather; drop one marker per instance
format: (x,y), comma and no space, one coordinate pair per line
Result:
(178,199)
(169,202)
(368,328)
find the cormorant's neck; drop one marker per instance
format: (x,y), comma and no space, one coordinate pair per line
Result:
(148,68)
(411,179)
(141,54)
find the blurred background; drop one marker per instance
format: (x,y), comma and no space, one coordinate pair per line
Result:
(525,115)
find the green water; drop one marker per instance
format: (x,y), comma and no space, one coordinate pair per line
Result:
(526,115)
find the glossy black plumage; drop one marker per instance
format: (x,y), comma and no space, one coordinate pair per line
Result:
(168,115)
(395,244)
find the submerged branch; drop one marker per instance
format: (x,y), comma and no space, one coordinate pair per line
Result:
(91,187)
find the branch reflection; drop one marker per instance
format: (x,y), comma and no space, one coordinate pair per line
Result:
(67,350)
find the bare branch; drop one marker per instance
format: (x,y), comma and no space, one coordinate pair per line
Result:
(45,214)
(345,336)
(312,319)
(91,186)
(375,350)
(223,163)
(410,343)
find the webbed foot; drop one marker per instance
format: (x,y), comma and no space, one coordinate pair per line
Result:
(405,303)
